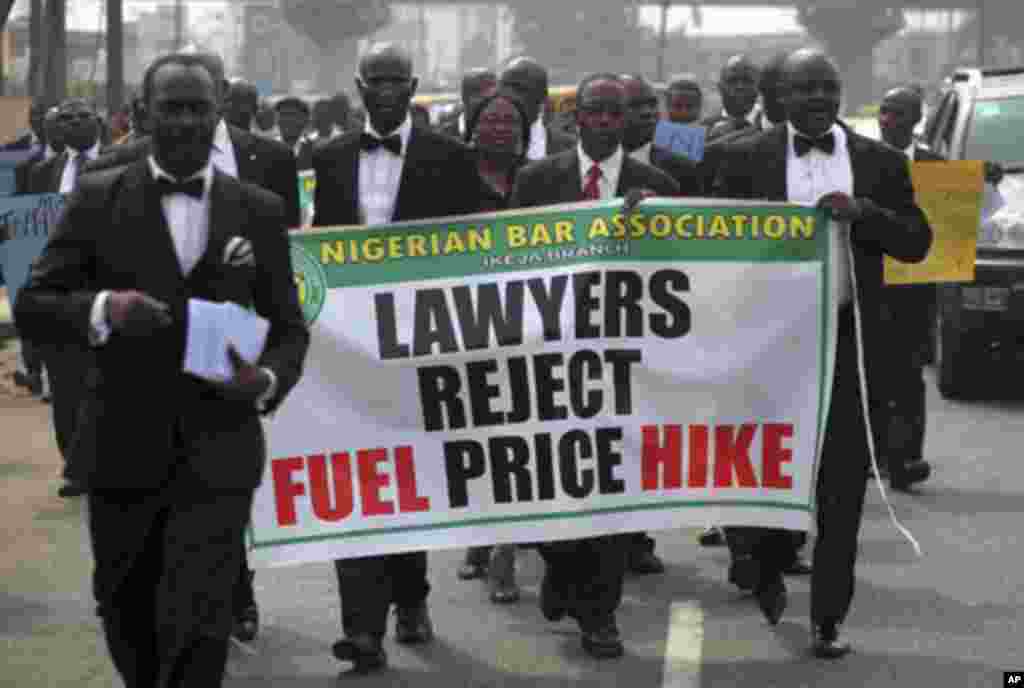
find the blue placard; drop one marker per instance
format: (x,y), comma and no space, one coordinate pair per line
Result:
(9,160)
(683,139)
(28,221)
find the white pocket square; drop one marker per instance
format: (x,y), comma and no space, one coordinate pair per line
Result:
(238,252)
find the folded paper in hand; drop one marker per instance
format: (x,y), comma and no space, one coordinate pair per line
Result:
(211,328)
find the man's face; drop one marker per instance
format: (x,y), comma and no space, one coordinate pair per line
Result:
(641,114)
(183,114)
(771,101)
(739,89)
(500,129)
(897,117)
(685,106)
(240,107)
(80,126)
(601,118)
(477,91)
(811,95)
(292,121)
(265,118)
(387,87)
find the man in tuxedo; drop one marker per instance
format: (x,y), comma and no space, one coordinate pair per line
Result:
(908,311)
(865,187)
(737,86)
(583,578)
(236,152)
(80,129)
(293,120)
(684,100)
(172,459)
(526,78)
(240,104)
(390,171)
(477,84)
(638,138)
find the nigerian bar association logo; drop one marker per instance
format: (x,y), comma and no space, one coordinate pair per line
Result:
(311,283)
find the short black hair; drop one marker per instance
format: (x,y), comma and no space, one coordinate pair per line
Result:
(187,60)
(594,78)
(292,101)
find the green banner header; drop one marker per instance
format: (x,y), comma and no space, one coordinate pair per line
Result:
(535,238)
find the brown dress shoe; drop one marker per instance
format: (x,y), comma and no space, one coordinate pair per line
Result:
(363,650)
(413,625)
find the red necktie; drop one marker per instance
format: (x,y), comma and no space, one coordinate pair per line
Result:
(591,191)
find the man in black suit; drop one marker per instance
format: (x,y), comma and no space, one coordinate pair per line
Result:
(737,86)
(638,138)
(389,172)
(80,129)
(865,187)
(907,311)
(477,84)
(236,152)
(293,120)
(526,78)
(583,578)
(170,461)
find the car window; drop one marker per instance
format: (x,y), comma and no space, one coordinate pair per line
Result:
(939,116)
(995,131)
(948,126)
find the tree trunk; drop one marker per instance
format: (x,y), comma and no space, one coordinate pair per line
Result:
(115,55)
(56,88)
(36,49)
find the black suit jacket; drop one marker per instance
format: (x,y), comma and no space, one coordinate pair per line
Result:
(684,171)
(139,409)
(45,176)
(559,141)
(438,179)
(265,163)
(556,179)
(756,168)
(923,154)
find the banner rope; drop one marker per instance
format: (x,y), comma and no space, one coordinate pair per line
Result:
(862,379)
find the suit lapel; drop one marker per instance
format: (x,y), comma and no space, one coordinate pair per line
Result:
(569,171)
(860,162)
(221,225)
(406,185)
(245,160)
(348,168)
(59,163)
(776,173)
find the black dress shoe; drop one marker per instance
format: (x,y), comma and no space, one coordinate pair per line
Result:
(602,641)
(799,567)
(826,644)
(554,599)
(413,625)
(907,474)
(712,537)
(363,650)
(771,598)
(645,562)
(70,489)
(247,624)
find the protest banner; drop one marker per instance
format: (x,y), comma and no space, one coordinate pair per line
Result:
(27,222)
(951,194)
(551,373)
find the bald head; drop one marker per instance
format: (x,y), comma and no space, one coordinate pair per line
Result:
(389,53)
(811,91)
(737,85)
(900,111)
(528,79)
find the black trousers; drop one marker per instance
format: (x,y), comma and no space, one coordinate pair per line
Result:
(591,571)
(906,314)
(368,586)
(66,366)
(166,562)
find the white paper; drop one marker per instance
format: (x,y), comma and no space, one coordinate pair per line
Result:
(211,328)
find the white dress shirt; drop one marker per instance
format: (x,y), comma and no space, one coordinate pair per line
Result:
(69,176)
(611,167)
(380,173)
(462,126)
(538,140)
(814,175)
(911,152)
(222,154)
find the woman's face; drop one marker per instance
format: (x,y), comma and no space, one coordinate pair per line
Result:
(500,128)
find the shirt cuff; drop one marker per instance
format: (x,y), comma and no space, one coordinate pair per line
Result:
(264,400)
(99,328)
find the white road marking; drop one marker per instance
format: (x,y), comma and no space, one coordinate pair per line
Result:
(684,645)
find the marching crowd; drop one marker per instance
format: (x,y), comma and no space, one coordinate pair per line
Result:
(158,191)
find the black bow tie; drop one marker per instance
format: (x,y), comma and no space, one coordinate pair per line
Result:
(370,143)
(826,143)
(191,187)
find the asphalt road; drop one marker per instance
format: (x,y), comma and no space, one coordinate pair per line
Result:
(951,619)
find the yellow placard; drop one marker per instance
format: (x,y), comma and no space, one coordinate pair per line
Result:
(951,194)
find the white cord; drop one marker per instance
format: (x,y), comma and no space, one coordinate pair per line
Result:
(862,380)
